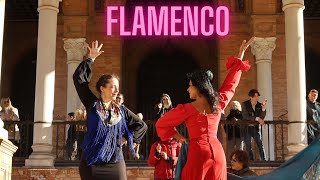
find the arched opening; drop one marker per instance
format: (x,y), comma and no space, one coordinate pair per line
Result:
(163,71)
(23,96)
(312,69)
(23,88)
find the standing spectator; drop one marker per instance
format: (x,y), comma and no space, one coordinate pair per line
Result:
(8,112)
(164,157)
(163,106)
(80,117)
(233,131)
(240,164)
(71,137)
(252,111)
(313,115)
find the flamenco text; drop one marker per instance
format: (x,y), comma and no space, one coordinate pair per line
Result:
(168,21)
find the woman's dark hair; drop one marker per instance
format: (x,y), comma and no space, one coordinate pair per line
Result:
(202,80)
(242,157)
(103,80)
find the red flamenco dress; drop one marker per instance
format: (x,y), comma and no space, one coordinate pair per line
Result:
(206,158)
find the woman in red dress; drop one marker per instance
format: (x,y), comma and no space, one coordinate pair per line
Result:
(206,158)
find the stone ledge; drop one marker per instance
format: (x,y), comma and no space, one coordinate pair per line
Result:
(72,173)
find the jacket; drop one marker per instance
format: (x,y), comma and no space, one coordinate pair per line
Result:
(163,168)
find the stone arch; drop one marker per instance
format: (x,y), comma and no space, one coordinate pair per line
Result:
(23,97)
(23,86)
(202,51)
(160,72)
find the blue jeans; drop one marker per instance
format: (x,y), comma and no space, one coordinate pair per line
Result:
(253,132)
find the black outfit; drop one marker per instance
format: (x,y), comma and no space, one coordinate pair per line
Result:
(233,130)
(161,111)
(71,138)
(250,114)
(313,118)
(117,170)
(75,133)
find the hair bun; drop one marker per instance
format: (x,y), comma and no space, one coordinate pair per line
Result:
(209,74)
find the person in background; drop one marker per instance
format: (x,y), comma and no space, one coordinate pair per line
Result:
(10,113)
(80,117)
(313,115)
(235,137)
(164,157)
(240,164)
(253,110)
(71,138)
(163,106)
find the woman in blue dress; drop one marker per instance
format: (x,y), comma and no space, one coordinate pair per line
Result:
(107,123)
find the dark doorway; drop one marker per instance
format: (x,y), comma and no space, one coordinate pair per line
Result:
(23,88)
(312,69)
(163,71)
(23,96)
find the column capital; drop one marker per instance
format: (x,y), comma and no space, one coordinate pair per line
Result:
(292,3)
(262,48)
(48,4)
(76,48)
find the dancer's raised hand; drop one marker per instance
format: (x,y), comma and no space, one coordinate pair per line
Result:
(94,50)
(244,47)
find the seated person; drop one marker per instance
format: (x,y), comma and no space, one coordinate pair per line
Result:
(240,164)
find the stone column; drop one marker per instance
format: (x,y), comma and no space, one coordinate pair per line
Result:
(2,10)
(44,93)
(296,77)
(7,149)
(262,49)
(76,49)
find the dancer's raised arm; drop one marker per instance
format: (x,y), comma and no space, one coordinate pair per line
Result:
(83,74)
(235,65)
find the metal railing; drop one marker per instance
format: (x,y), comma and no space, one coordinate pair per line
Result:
(68,135)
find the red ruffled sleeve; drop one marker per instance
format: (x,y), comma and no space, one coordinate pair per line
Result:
(166,124)
(227,90)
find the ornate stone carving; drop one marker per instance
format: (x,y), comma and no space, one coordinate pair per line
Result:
(53,3)
(75,48)
(292,3)
(262,48)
